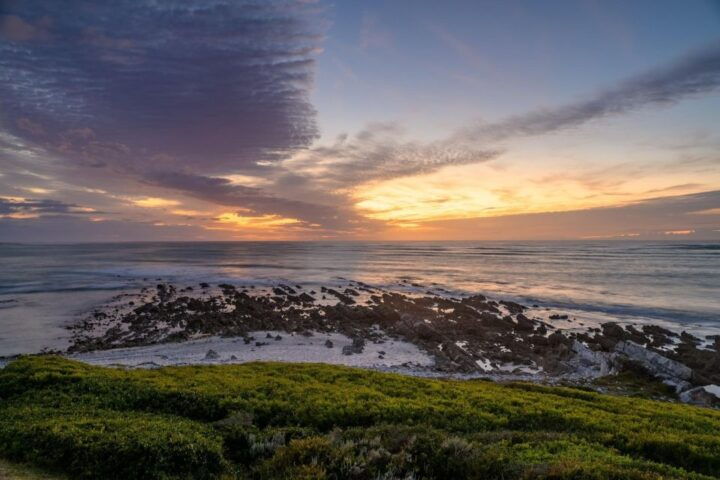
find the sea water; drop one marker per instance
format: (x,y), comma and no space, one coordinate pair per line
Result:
(44,288)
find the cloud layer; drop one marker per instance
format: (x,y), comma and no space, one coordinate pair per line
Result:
(180,98)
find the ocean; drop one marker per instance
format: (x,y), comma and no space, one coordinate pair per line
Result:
(43,288)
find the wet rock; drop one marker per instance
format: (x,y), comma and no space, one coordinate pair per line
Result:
(706,396)
(329,343)
(278,338)
(513,308)
(357,346)
(687,338)
(211,355)
(524,324)
(613,330)
(288,289)
(305,298)
(557,316)
(461,360)
(341,296)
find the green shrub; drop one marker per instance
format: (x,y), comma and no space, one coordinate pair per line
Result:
(272,420)
(107,444)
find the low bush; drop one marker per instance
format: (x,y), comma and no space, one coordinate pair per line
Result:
(272,421)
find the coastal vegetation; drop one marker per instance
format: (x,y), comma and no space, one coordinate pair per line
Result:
(281,421)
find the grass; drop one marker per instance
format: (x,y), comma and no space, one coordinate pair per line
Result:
(282,421)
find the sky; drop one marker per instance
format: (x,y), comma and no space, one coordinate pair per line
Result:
(140,120)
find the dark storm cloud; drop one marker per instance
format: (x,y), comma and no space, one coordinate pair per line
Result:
(212,83)
(38,207)
(694,74)
(171,93)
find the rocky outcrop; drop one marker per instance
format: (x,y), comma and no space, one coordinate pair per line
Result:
(590,363)
(705,396)
(472,334)
(670,371)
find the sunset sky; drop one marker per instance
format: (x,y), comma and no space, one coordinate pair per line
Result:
(401,120)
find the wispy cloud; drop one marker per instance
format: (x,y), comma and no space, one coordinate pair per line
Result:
(696,73)
(380,152)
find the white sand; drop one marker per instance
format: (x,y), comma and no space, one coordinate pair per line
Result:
(292,348)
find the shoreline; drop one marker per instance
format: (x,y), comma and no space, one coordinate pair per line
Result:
(419,330)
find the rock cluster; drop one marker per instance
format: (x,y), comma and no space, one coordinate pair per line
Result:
(472,334)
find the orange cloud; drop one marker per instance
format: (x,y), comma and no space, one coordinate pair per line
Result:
(154,202)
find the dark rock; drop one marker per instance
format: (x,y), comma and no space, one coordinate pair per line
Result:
(305,298)
(329,343)
(687,338)
(513,308)
(613,330)
(357,346)
(524,324)
(211,355)
(341,296)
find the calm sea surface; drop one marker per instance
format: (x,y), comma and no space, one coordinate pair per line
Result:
(42,287)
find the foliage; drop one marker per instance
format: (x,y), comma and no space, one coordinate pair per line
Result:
(11,471)
(277,421)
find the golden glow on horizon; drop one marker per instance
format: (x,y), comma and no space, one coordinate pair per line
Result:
(476,191)
(154,202)
(263,221)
